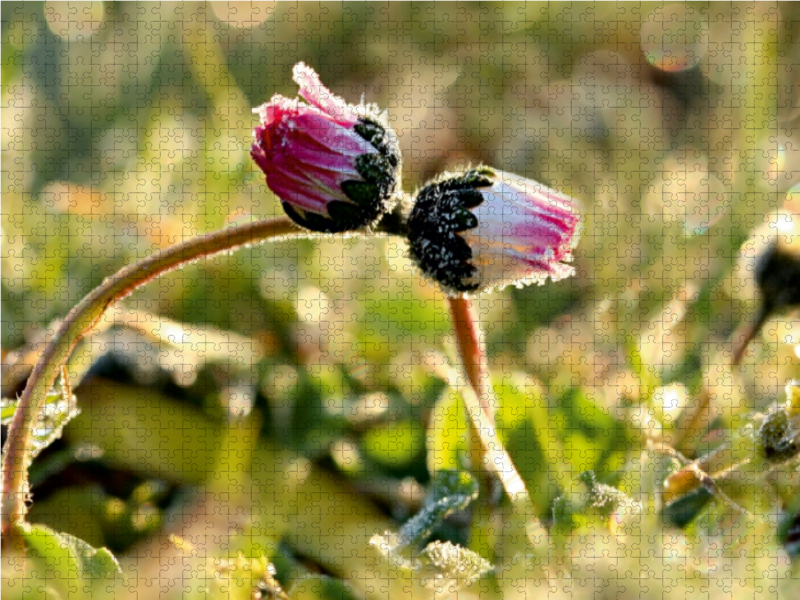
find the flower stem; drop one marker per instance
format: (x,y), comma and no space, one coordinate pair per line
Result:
(80,321)
(487,449)
(395,222)
(472,353)
(746,333)
(473,359)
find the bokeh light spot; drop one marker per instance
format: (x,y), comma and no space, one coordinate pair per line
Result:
(74,21)
(793,199)
(687,192)
(674,38)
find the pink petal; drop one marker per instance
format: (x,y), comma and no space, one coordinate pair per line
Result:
(276,109)
(536,223)
(545,231)
(315,93)
(259,157)
(313,127)
(306,198)
(303,148)
(308,151)
(524,232)
(320,182)
(501,268)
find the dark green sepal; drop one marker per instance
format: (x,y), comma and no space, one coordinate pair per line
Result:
(371,132)
(471,198)
(363,193)
(342,219)
(377,135)
(375,169)
(463,219)
(467,197)
(441,211)
(459,249)
(474,178)
(350,214)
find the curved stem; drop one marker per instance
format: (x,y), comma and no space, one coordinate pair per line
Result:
(83,317)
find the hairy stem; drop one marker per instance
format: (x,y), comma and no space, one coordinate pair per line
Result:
(470,348)
(473,360)
(80,321)
(488,450)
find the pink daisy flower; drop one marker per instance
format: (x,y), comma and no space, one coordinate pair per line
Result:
(487,229)
(334,166)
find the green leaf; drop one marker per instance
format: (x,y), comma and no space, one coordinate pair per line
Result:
(147,432)
(580,452)
(7,408)
(456,563)
(685,509)
(532,432)
(75,566)
(396,445)
(789,528)
(451,491)
(448,433)
(322,587)
(77,510)
(60,407)
(602,500)
(649,379)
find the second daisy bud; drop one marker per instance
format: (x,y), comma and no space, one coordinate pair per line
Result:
(487,229)
(335,166)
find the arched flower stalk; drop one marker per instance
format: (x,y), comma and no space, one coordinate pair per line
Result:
(79,323)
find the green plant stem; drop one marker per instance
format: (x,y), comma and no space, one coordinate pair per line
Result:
(80,321)
(477,401)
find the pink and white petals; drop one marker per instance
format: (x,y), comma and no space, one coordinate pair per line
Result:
(334,166)
(316,94)
(488,229)
(525,233)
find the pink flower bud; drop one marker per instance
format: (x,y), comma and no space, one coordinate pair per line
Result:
(487,229)
(334,166)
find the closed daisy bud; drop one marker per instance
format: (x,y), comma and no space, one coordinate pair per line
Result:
(335,166)
(487,229)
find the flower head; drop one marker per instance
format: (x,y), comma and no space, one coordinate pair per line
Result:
(777,269)
(771,258)
(334,166)
(487,229)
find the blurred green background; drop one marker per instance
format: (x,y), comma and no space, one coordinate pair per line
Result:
(126,128)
